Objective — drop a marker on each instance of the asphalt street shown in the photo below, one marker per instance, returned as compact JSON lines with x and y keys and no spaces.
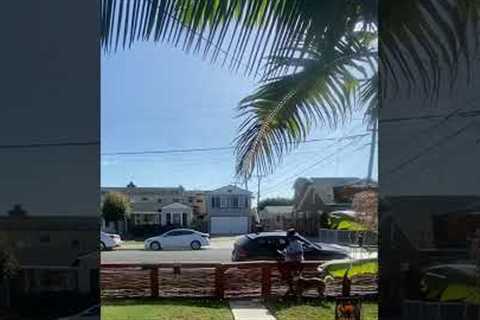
{"x":219,"y":251}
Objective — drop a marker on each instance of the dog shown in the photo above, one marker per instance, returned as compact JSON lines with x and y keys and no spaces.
{"x":303,"y":284}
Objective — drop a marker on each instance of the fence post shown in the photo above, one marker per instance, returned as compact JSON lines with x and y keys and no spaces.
{"x":266,"y":280}
{"x":154,"y":282}
{"x":219,"y":281}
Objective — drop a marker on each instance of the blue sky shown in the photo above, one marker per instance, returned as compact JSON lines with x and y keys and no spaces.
{"x":155,"y":97}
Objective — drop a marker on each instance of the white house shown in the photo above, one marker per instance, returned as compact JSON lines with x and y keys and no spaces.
{"x":229,"y":210}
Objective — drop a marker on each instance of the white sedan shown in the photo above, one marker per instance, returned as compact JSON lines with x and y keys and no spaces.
{"x":109,"y":241}
{"x":178,"y":239}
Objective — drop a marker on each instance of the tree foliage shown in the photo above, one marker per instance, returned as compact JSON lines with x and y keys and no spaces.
{"x":115,"y":207}
{"x":365,"y":203}
{"x":274,"y":202}
{"x":316,"y":60}
{"x":9,"y":265}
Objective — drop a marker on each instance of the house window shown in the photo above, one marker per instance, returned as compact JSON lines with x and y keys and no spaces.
{"x":235,"y":202}
{"x":45,"y":238}
{"x":241,"y":202}
{"x":169,"y":218}
{"x":144,"y":199}
{"x":176,"y":218}
{"x":190,"y":199}
{"x":75,"y":244}
{"x":223,"y":203}
{"x":176,"y":200}
{"x":215,"y":202}
{"x":199,"y":201}
{"x":246,"y":202}
{"x":184,"y":219}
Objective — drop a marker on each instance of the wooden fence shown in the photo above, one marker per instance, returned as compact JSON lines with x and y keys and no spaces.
{"x":221,"y":280}
{"x":423,"y":310}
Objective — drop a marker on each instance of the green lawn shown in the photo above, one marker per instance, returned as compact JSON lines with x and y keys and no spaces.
{"x":166,"y":309}
{"x":315,"y":310}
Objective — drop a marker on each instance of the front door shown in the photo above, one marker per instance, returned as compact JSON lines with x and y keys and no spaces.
{"x":176,"y":219}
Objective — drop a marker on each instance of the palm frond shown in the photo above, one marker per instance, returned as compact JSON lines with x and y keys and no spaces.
{"x":423,"y":43}
{"x":281,"y":113}
{"x":369,"y":99}
{"x":236,"y":33}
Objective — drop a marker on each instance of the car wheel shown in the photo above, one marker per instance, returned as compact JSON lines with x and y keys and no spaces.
{"x":195,"y":245}
{"x":155,"y":246}
{"x":102,"y":246}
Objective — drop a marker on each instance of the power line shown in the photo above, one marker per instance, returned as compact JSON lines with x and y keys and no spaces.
{"x":189,"y":150}
{"x":347,"y":134}
{"x":429,"y":148}
{"x":296,"y":175}
{"x":48,"y":145}
{"x":466,"y":114}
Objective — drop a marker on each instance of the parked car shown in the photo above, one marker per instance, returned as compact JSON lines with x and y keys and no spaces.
{"x":92,"y":313}
{"x":108,"y":241}
{"x":265,"y":246}
{"x":178,"y":239}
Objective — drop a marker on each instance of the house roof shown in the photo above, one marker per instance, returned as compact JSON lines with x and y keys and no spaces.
{"x":176,"y":205}
{"x":231,"y":189}
{"x":341,"y":181}
{"x":149,"y":207}
{"x":142,"y":190}
{"x":146,"y":207}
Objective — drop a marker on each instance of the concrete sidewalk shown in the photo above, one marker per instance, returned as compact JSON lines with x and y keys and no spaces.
{"x":250,"y":310}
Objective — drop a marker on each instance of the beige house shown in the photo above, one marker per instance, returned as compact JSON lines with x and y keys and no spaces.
{"x":56,"y":253}
{"x":276,"y":217}
{"x":158,"y":207}
{"x":316,"y":196}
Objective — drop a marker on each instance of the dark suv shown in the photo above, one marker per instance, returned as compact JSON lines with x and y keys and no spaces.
{"x":265,"y":246}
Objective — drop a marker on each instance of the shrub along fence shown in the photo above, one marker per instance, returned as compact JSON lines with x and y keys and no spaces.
{"x":221,"y":280}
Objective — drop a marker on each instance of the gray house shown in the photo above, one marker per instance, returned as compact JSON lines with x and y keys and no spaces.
{"x":229,"y":210}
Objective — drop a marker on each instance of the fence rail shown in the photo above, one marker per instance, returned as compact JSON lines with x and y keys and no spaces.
{"x":347,"y":237}
{"x":221,"y":280}
{"x":420,"y":310}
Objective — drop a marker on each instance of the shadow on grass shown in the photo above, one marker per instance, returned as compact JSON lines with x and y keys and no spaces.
{"x":279,"y":304}
{"x":285,"y":305}
{"x":179,"y":302}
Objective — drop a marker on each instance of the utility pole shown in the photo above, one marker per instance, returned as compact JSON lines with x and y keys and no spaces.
{"x":372,"y":151}
{"x":259,"y":178}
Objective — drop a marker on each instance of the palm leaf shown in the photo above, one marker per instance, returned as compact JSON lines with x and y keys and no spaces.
{"x":281,"y":113}
{"x":236,"y":33}
{"x":424,"y":43}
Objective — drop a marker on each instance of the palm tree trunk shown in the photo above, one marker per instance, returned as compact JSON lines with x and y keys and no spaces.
{"x":372,"y":152}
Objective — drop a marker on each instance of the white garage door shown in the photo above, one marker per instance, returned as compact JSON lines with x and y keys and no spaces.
{"x":229,"y":225}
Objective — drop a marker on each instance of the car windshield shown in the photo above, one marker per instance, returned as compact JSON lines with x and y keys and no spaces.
{"x":308,"y":243}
